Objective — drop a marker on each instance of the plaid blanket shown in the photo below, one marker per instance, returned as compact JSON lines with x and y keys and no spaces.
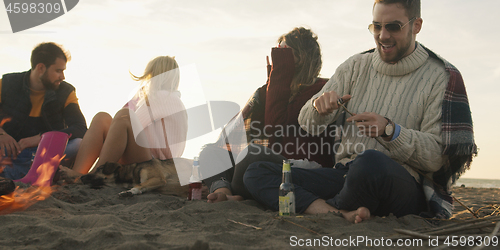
{"x":458,"y":143}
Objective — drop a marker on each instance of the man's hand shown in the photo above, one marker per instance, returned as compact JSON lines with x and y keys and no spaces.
{"x":9,"y":146}
{"x":29,"y":142}
{"x":370,"y":124}
{"x":327,"y":102}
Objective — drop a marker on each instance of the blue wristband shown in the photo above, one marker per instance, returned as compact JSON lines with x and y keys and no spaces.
{"x":397,"y":130}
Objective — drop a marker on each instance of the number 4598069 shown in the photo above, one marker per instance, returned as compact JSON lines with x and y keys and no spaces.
{"x":33,"y":8}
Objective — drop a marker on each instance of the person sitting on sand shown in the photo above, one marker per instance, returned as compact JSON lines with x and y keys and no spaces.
{"x":34,"y":102}
{"x":133,"y":136}
{"x":410,"y":129}
{"x":292,"y":80}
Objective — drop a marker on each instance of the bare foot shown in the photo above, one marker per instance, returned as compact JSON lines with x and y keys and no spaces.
{"x":319,"y":206}
{"x":220,"y":196}
{"x":359,"y":215}
{"x":216,"y":197}
{"x":69,"y":175}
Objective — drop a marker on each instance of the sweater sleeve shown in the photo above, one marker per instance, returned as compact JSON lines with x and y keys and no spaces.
{"x":278,"y":88}
{"x":422,"y":148}
{"x":309,"y":118}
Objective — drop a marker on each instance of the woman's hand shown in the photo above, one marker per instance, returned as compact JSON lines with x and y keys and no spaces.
{"x":282,"y":44}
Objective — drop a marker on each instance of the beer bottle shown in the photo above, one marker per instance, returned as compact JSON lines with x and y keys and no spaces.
{"x":286,"y":192}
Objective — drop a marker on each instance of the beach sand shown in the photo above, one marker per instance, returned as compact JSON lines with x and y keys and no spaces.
{"x":78,"y":217}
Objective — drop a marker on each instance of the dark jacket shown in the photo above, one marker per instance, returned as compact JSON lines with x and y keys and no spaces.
{"x":16,"y":105}
{"x":281,"y":114}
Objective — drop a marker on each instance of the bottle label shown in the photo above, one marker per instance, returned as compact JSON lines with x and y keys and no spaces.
{"x":287,"y":204}
{"x":286,"y":166}
{"x":194,"y":191}
{"x":196,"y":194}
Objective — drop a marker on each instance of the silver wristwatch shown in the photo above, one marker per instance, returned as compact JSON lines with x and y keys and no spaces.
{"x":389,"y":128}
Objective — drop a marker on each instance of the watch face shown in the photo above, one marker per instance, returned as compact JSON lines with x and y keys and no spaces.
{"x":389,"y":129}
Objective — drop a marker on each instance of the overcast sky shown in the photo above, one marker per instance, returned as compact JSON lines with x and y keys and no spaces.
{"x":223,"y":47}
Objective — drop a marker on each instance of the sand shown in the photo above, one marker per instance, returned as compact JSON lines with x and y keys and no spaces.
{"x":78,"y":217}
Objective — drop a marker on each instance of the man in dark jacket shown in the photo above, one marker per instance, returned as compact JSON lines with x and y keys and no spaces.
{"x":35,"y":102}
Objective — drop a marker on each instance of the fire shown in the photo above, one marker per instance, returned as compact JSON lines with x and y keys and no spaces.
{"x":46,"y":171}
{"x":22,"y":198}
{"x":5,"y":120}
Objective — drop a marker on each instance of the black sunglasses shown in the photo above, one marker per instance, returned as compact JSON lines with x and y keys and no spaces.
{"x":375,"y":28}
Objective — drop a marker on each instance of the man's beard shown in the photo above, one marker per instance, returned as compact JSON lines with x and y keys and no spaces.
{"x":47,"y":84}
{"x":401,"y":52}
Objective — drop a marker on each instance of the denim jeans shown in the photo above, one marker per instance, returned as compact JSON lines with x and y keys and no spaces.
{"x":22,"y":164}
{"x":262,"y":180}
{"x":234,"y":176}
{"x":372,"y":180}
{"x":382,"y":185}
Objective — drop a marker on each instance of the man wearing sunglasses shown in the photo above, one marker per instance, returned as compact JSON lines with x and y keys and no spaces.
{"x":400,"y":136}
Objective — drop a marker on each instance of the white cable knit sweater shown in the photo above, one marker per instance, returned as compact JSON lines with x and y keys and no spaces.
{"x":410,"y":93}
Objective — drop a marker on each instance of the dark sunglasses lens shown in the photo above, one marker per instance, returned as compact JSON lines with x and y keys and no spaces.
{"x":393,"y":27}
{"x":374,"y":28}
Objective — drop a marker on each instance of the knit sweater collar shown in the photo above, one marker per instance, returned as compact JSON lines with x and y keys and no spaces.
{"x":404,"y":66}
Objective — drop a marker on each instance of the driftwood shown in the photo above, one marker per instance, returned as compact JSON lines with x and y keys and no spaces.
{"x":246,"y":225}
{"x":293,"y":223}
{"x":459,"y":228}
{"x":464,"y":225}
{"x":495,"y":232}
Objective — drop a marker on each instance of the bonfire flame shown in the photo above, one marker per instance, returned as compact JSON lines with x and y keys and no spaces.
{"x":46,"y":171}
{"x":40,"y":190}
{"x":23,"y":198}
{"x":5,"y":120}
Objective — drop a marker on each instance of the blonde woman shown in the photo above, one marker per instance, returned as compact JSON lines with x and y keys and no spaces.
{"x":153,"y":124}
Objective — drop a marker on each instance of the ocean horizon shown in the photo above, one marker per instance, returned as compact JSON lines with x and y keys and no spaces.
{"x":478,"y":183}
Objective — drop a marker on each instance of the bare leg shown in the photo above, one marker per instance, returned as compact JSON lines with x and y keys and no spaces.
{"x":222,"y":194}
{"x":319,"y":206}
{"x":107,"y":140}
{"x":92,"y":142}
{"x":120,"y":145}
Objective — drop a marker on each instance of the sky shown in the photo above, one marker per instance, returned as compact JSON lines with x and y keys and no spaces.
{"x":222,"y":46}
